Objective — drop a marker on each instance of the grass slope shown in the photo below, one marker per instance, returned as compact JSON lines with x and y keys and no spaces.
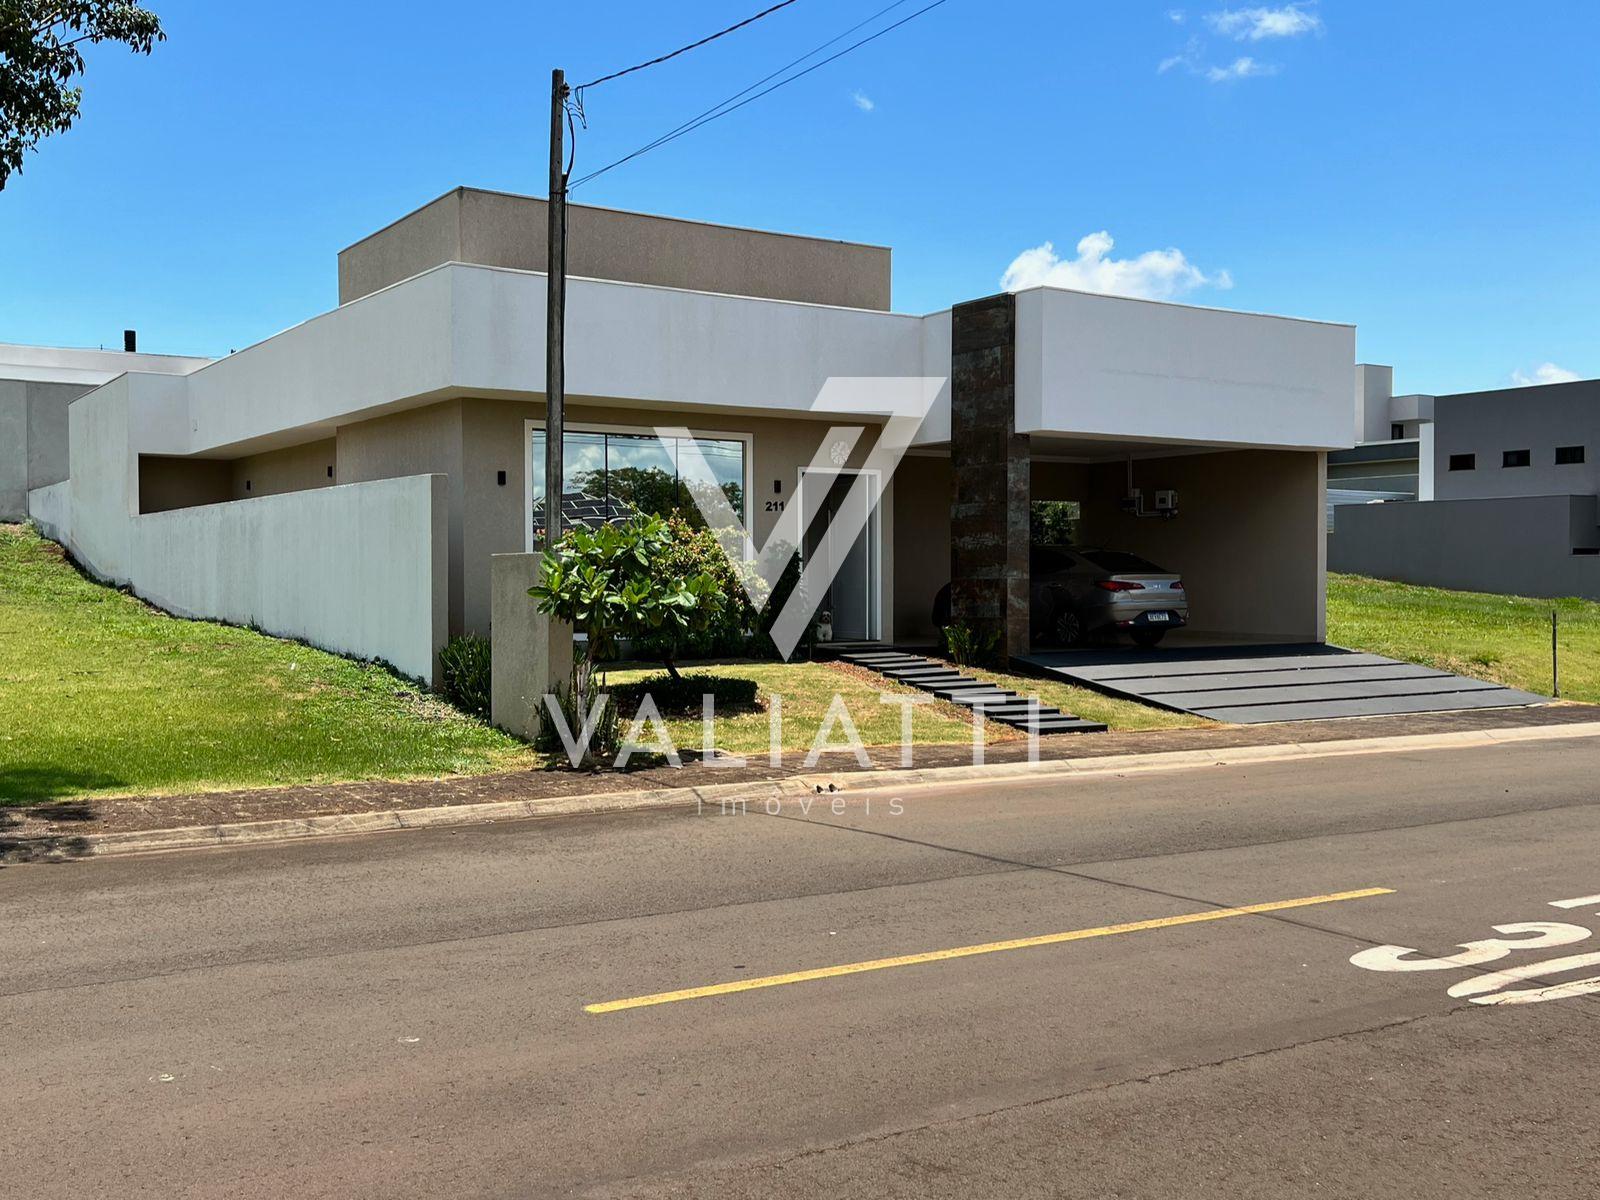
{"x":102,"y":695}
{"x":1503,"y":638}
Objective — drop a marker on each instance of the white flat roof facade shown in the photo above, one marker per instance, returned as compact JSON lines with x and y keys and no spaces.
{"x":1088,"y":366}
{"x":61,"y":364}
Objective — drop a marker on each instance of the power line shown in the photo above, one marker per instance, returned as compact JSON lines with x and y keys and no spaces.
{"x":685,"y":49}
{"x":692,"y":121}
{"x":728,"y":105}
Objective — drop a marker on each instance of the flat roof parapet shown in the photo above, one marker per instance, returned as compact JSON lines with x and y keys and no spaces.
{"x":497,"y":229}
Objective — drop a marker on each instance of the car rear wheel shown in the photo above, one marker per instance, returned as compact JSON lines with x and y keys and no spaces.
{"x":1147,"y":637}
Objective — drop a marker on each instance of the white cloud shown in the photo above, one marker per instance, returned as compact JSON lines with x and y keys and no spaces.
{"x":1177,"y":16}
{"x":1544,"y":373}
{"x":863,"y":101}
{"x":1192,"y":59}
{"x":1153,"y":275}
{"x":1239,"y":68}
{"x":1258,"y":24}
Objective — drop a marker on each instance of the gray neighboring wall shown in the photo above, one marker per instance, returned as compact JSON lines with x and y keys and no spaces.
{"x":1520,"y":545}
{"x":500,"y":230}
{"x":37,"y":383}
{"x":33,"y":439}
{"x":1536,"y":419}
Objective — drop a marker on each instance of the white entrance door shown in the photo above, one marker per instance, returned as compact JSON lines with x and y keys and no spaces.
{"x":832,"y":508}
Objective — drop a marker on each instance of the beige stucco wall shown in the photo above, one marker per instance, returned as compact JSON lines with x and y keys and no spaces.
{"x":1248,"y":538}
{"x":166,"y":483}
{"x":292,"y":469}
{"x":501,"y":230}
{"x":420,"y":441}
{"x":474,"y":439}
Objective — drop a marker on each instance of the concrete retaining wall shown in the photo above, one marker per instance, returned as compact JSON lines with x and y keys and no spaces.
{"x":360,"y":569}
{"x":1519,"y":545}
{"x":50,"y":508}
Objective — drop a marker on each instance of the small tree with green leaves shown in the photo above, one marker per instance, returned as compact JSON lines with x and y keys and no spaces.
{"x":625,"y":580}
{"x":41,"y":55}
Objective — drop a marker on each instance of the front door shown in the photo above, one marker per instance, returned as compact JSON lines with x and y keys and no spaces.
{"x":832,"y":508}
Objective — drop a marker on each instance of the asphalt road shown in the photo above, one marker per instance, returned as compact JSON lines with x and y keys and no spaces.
{"x":404,"y":1015}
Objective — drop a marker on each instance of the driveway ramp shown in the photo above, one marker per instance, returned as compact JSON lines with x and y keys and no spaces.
{"x":1248,"y":685}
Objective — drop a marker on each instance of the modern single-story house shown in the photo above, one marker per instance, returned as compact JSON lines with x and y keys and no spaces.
{"x":347,"y":480}
{"x":1494,"y":491}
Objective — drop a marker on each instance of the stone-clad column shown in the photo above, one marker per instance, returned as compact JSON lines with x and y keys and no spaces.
{"x":990,"y":462}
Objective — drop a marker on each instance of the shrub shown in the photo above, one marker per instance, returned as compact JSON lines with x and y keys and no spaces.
{"x":576,"y":699}
{"x":969,"y":647}
{"x":695,"y":551}
{"x":464,"y":678}
{"x":627,"y":579}
{"x":1054,"y":522}
{"x":682,"y":696}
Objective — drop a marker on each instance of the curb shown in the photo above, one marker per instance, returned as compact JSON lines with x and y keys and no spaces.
{"x":794,"y":786}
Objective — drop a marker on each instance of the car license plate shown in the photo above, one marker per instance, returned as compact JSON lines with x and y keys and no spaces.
{"x":1158,"y":616}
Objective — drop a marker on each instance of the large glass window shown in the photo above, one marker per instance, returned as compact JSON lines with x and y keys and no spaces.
{"x":611,"y":475}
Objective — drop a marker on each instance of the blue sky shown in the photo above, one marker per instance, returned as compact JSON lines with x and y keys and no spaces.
{"x":1426,"y":170}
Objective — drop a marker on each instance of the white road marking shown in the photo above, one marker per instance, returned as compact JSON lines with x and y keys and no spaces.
{"x":1476,"y":987}
{"x":1545,"y":933}
{"x":1494,"y":987}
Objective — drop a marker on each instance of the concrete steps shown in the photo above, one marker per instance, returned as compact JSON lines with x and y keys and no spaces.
{"x":947,"y":683}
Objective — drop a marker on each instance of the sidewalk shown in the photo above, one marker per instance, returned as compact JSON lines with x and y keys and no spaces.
{"x":66,"y":827}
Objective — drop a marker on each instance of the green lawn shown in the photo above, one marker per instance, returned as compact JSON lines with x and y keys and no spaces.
{"x":102,"y":695}
{"x":808,"y":689}
{"x":1504,"y":638}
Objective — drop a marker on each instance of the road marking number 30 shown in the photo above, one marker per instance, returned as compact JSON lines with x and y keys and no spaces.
{"x":1496,"y":987}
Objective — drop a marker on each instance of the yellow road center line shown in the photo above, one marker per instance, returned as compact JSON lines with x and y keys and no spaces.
{"x":911,"y":960}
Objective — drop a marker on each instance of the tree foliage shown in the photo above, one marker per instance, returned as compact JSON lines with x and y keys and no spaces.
{"x":626,"y":579}
{"x":41,"y":55}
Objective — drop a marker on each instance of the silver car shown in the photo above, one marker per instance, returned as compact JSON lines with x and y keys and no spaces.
{"x":1081,"y":591}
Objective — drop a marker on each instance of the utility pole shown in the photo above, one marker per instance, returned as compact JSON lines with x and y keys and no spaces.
{"x":555,"y":383}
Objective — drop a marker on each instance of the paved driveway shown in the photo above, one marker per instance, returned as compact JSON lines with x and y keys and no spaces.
{"x":1248,"y":685}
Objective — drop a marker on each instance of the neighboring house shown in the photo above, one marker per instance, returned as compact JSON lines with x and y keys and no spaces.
{"x":347,"y":480}
{"x":36,"y":385}
{"x":1488,"y":491}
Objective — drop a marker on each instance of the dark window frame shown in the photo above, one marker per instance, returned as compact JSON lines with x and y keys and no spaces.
{"x":1571,"y":456}
{"x":1397,"y":431}
{"x":1511,"y":460}
{"x":1463,"y":462}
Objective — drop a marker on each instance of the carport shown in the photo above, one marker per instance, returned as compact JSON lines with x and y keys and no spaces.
{"x":1245,"y":534}
{"x":1194,"y":438}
